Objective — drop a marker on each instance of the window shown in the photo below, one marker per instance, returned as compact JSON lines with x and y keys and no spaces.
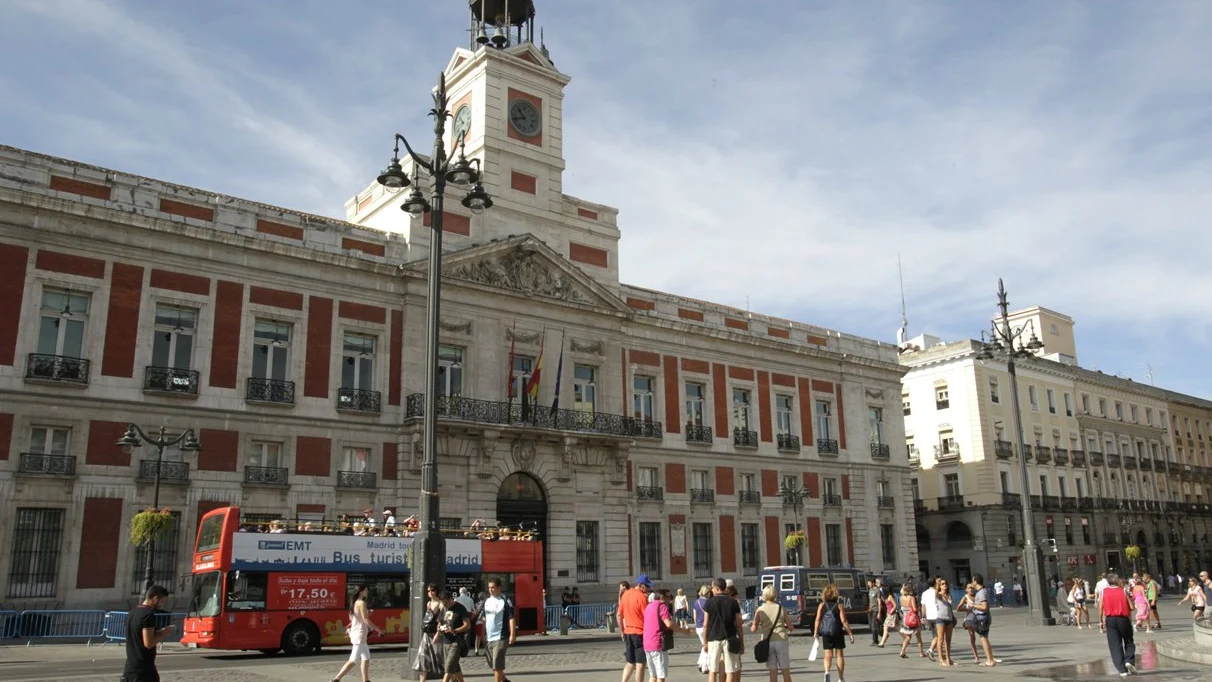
{"x":1004,"y":478}
{"x":942,"y":398}
{"x":450,"y":371}
{"x":883,"y":489}
{"x":830,"y":486}
{"x":584,"y":389}
{"x":951,"y":485}
{"x":703,"y":560}
{"x":647,"y":477}
{"x":784,"y":409}
{"x":164,"y":559}
{"x":1085,"y":404}
{"x":833,"y":544}
{"x":642,"y":397}
{"x":875,"y":422}
{"x":522,"y":366}
{"x":1119,"y":410}
{"x":1043,"y":485}
{"x":358,"y":362}
{"x":265,"y":454}
{"x":740,"y":409}
{"x":1133,"y":414}
{"x":695,"y":394}
{"x":356,"y":459}
{"x":792,"y":556}
{"x":995,"y":393}
{"x":824,"y":410}
{"x":247,"y":590}
{"x":915,"y":488}
{"x":749,"y":548}
{"x":888,"y":545}
{"x":946,"y":443}
{"x":1061,"y":487}
{"x":1051,"y":401}
{"x":650,"y":549}
{"x":905,"y":407}
{"x":1085,"y":531}
{"x":271,"y":350}
{"x":1050,"y":529}
{"x":49,"y":440}
{"x":37,"y":535}
{"x":1149,"y":416}
{"x":587,"y":551}
{"x":1068,"y":405}
{"x":1102,"y":407}
{"x":173,"y":344}
{"x":62,"y":321}
{"x":700,"y":479}
{"x":1011,"y":531}
{"x":1080,"y":485}
{"x":747,"y":481}
{"x":1033,"y":397}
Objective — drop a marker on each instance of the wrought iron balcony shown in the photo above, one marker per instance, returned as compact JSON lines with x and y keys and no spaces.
{"x":1043,"y":454}
{"x":951,"y":503}
{"x":357,"y":479}
{"x":1096,"y":458}
{"x":270,"y":391}
{"x":1003,"y":449}
{"x":881,"y":451}
{"x":1027,"y":453}
{"x":919,"y":506}
{"x":509,"y":413}
{"x":651,"y":493}
{"x":698,"y":433}
{"x":170,"y":472}
{"x":1061,"y":455}
{"x":942,"y":404}
{"x":1012,"y":500}
{"x":646,"y":428}
{"x":1086,"y":503}
{"x":788,"y":442}
{"x":57,"y":368}
{"x":1079,"y":458}
{"x":48,"y":465}
{"x":265,"y":475}
{"x":950,"y":454}
{"x":885,"y":502}
{"x":744,"y":439}
{"x":358,"y":400}
{"x":170,"y":380}
{"x":1159,"y":464}
{"x":795,"y":500}
{"x":826,"y":446}
{"x":1146,"y":464}
{"x":749,"y":497}
{"x":1129,"y":462}
{"x":1068,"y":503}
{"x":831,"y":500}
{"x":702,"y":496}
{"x":1113,"y":461}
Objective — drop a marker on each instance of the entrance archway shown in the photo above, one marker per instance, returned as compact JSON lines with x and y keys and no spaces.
{"x":522,"y":503}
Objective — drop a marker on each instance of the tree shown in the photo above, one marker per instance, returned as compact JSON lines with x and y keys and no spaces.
{"x":1133,"y":553}
{"x":149,"y":525}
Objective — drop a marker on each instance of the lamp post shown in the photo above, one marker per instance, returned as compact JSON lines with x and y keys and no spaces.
{"x":428,"y":545}
{"x":794,"y":495}
{"x":136,"y":437}
{"x":1004,"y":339}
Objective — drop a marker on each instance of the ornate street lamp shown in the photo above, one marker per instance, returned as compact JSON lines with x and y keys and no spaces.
{"x":428,"y":546}
{"x":136,"y":437}
{"x":1005,"y":341}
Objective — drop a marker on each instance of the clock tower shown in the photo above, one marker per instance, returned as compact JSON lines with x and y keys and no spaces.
{"x":506,"y":103}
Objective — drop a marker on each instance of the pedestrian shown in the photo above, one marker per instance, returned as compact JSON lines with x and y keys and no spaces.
{"x":430,"y":650}
{"x":829,"y":626}
{"x":1140,"y":603}
{"x":998,"y":588}
{"x":1099,"y":587}
{"x":875,"y":611}
{"x":1077,"y":594}
{"x":965,"y":607}
{"x":774,"y":624}
{"x":891,"y":618}
{"x":681,"y":607}
{"x":911,"y":624}
{"x":1198,"y":602}
{"x":699,"y":620}
{"x":1152,"y":592}
{"x":565,"y":599}
{"x":929,"y":602}
{"x":724,"y":638}
{"x":455,"y":624}
{"x":142,"y":637}
{"x":631,"y":620}
{"x":1113,"y":618}
{"x":944,"y":621}
{"x":982,"y":618}
{"x":359,"y":629}
{"x":500,"y":628}
{"x":469,"y":605}
{"x":1018,"y":593}
{"x":659,"y":627}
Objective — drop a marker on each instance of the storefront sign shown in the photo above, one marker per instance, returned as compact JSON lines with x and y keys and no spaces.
{"x":306,"y":591}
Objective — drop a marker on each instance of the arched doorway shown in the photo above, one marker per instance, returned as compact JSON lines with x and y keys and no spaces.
{"x":522,"y":503}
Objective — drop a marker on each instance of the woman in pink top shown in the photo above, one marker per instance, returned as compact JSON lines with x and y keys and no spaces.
{"x":658,"y":620}
{"x":1141,"y":600}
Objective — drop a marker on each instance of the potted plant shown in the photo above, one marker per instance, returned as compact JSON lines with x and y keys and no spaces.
{"x":794,"y":540}
{"x":1133,"y":553}
{"x":150,"y":524}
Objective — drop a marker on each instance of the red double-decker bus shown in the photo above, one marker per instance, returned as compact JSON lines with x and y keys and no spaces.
{"x":286,"y":590}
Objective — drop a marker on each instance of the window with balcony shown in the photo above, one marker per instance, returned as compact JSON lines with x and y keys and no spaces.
{"x":942,"y":398}
{"x":875,"y":424}
{"x":648,"y":483}
{"x":650,"y":549}
{"x":951,"y":485}
{"x":1149,"y":416}
{"x":271,"y":350}
{"x":59,"y":352}
{"x":888,"y":545}
{"x":520,"y":372}
{"x":824,"y":420}
{"x":695,"y":396}
{"x":172,"y":351}
{"x":792,"y":556}
{"x":749,"y":548}
{"x":704,"y":561}
{"x":1102,"y":407}
{"x":784,"y":413}
{"x":450,"y":371}
{"x":831,"y":496}
{"x":584,"y":388}
{"x":906,"y":408}
{"x":1085,"y":404}
{"x":1119,"y":410}
{"x":748,"y":482}
{"x":1051,"y":395}
{"x":1085,"y":531}
{"x":265,"y":464}
{"x":740,"y":409}
{"x":833,"y":544}
{"x":995,"y":391}
{"x":1132,"y":414}
{"x":1043,"y":485}
{"x":356,"y":470}
{"x":1003,"y":477}
{"x":1033,"y":397}
{"x":1068,"y":405}
{"x":701,"y":489}
{"x":37,"y":540}
{"x":588,"y":558}
{"x":946,"y":445}
{"x":643,"y":397}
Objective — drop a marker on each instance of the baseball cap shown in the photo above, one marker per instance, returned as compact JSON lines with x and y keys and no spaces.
{"x":642,"y":579}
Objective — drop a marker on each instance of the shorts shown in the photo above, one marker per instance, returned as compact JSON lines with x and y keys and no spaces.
{"x":360,"y":651}
{"x":944,"y":622}
{"x":780,"y":655}
{"x":658,"y":664}
{"x":717,"y":652}
{"x":1079,"y":602}
{"x":836,"y":642}
{"x":633,"y":649}
{"x":981,"y":628}
{"x":451,"y":658}
{"x":495,"y":652}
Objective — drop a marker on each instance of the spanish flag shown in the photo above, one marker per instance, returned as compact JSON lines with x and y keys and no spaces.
{"x":532,"y":384}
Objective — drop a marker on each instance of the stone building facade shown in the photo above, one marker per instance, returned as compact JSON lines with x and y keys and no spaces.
{"x":294,"y":345}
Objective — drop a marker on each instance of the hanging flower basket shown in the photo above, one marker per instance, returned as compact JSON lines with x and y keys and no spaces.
{"x":150,"y":524}
{"x":794,"y":540}
{"x":1132,"y":552}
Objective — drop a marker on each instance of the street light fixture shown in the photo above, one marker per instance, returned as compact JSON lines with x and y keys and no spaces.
{"x":428,"y":546}
{"x":793,"y":496}
{"x":1006,"y":340}
{"x":135,"y":437}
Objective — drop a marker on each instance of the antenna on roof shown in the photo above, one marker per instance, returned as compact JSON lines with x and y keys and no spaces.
{"x":901,"y":333}
{"x":1149,"y":373}
{"x":748,"y":313}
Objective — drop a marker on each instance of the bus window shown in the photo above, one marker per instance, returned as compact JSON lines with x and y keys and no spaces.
{"x":246,"y":591}
{"x":818,"y":581}
{"x":383,"y":591}
{"x":205,"y":601}
{"x":787,"y":582}
{"x":210,"y":534}
{"x":844,"y":581}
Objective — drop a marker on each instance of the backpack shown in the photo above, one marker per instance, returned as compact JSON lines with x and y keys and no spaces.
{"x":831,"y":625}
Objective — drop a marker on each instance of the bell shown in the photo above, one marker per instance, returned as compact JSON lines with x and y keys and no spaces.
{"x":482,"y":38}
{"x":499,"y":39}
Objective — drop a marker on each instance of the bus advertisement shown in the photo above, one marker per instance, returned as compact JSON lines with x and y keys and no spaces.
{"x":272,"y":591}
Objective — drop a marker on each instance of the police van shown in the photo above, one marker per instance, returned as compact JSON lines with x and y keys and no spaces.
{"x":799,"y":591}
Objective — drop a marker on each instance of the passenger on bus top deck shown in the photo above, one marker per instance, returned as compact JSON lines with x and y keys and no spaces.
{"x":389,"y":519}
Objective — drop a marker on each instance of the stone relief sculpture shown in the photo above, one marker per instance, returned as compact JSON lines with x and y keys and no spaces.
{"x":521,"y":336}
{"x":593,"y":347}
{"x":875,"y":393}
{"x":523,"y":454}
{"x":521,"y":269}
{"x":463,"y":327}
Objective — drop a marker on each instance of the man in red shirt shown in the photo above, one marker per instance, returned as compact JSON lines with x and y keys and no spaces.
{"x":1114,"y":618}
{"x":631,"y":619}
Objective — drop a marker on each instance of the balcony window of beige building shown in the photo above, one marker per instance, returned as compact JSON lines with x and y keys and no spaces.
{"x":1051,"y":395}
{"x":1003,"y":477}
{"x":1132,"y":413}
{"x":584,"y":388}
{"x":271,"y":350}
{"x":173,"y":343}
{"x":450,"y":370}
{"x":265,"y":454}
{"x":358,"y":363}
{"x":1102,"y":407}
{"x":995,"y":392}
{"x":522,"y":367}
{"x":1085,"y":404}
{"x":784,"y":409}
{"x":63,"y":322}
{"x":1119,"y":410}
{"x":695,"y":394}
{"x":740,"y":409}
{"x":875,"y":423}
{"x":942,"y":398}
{"x":1149,"y":416}
{"x":356,"y":459}
{"x":1033,"y":397}
{"x":1068,"y":405}
{"x":951,"y":486}
{"x":946,"y":444}
{"x":49,"y":440}
{"x":824,"y":420}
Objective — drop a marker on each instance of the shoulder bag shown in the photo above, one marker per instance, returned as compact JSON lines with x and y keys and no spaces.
{"x":761,"y":649}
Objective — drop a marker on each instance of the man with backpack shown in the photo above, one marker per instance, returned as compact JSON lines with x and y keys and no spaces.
{"x":831,"y":627}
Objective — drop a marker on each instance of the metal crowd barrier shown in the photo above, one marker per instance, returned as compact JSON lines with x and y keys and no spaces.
{"x":10,"y":624}
{"x":115,"y":625}
{"x":87,"y":625}
{"x":580,"y":617}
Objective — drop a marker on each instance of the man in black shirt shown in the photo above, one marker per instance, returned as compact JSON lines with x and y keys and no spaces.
{"x":456,"y":622}
{"x":142,"y":637}
{"x":722,"y":626}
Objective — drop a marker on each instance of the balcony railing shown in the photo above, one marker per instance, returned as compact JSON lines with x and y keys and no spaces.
{"x":788,"y":442}
{"x":881,"y":451}
{"x":270,"y":391}
{"x":826,"y":446}
{"x":1061,"y":455}
{"x":1012,"y":500}
{"x":885,"y":502}
{"x":1113,"y":461}
{"x":1129,"y":462}
{"x":357,"y":479}
{"x":646,"y":428}
{"x":919,"y":506}
{"x":1086,"y":503}
{"x":831,"y":500}
{"x":952,"y":453}
{"x":170,"y":380}
{"x":1146,"y":464}
{"x":1027,"y":453}
{"x":358,"y":400}
{"x":1159,"y":464}
{"x":57,"y":368}
{"x":1003,"y":449}
{"x":48,"y":465}
{"x":170,"y":472}
{"x":1079,"y":458}
{"x":493,"y":412}
{"x":1043,"y":453}
{"x":749,"y":497}
{"x":951,"y":503}
{"x":744,"y":439}
{"x":698,"y":433}
{"x":265,"y":475}
{"x":942,"y":404}
{"x":652,"y":493}
{"x":702,"y":496}
{"x":1096,"y":458}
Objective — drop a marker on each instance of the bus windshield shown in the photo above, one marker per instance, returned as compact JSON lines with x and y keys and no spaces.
{"x":210,"y":534}
{"x":205,"y":600}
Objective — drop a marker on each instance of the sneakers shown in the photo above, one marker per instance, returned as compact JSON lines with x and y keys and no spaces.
{"x":1123,"y":674}
{"x":1131,"y":668}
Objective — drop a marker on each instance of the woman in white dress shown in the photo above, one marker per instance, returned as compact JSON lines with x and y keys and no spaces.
{"x":359,"y":630}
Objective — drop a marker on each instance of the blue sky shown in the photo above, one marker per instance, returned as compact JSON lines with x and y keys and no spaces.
{"x":786,"y":150}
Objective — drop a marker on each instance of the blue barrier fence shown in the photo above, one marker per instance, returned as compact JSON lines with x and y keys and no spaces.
{"x":10,"y":622}
{"x":103,"y":626}
{"x":580,"y":617}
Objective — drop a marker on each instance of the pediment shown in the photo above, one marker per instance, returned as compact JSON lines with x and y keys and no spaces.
{"x":525,"y":265}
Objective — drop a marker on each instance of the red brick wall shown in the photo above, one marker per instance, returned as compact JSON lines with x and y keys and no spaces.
{"x":303,"y":508}
{"x":362,"y":312}
{"x":6,"y":435}
{"x":313,"y":456}
{"x":763,"y":387}
{"x":640,"y":304}
{"x":725,"y":485}
{"x":690,"y":315}
{"x":719,"y":387}
{"x":70,"y":265}
{"x":779,"y":333}
{"x":849,"y":541}
{"x":770,"y":483}
{"x":203,"y":213}
{"x":814,"y":541}
{"x":643,"y":357}
{"x":673,"y":394}
{"x":317,"y":366}
{"x":812,"y":481}
{"x":97,"y":564}
{"x":102,"y":450}
{"x":733,"y":323}
{"x":677,"y":564}
{"x":220,"y":450}
{"x":727,"y":544}
{"x":695,"y":366}
{"x":122,"y":323}
{"x":845,"y":486}
{"x":806,"y":412}
{"x":369,"y":248}
{"x":277,"y":298}
{"x":589,"y":255}
{"x":586,"y":213}
{"x":774,"y":542}
{"x":782,"y":380}
{"x":841,"y":419}
{"x":13,"y":263}
{"x":176,"y":281}
{"x":822,"y":386}
{"x":81,"y":187}
{"x":225,"y":344}
{"x":390,"y":461}
{"x":675,"y":477}
{"x":740,"y":373}
{"x":522,"y":182}
{"x":452,"y":223}
{"x":394,"y":363}
{"x":280,"y":230}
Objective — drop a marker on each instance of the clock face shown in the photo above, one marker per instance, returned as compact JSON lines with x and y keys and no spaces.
{"x":462,"y":124}
{"x":525,"y":117}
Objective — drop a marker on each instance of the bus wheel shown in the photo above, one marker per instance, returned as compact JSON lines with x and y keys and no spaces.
{"x":301,"y":637}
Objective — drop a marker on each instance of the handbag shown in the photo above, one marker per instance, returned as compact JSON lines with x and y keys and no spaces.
{"x":666,"y":636}
{"x":761,"y":649}
{"x":734,"y":644}
{"x":912,"y":621}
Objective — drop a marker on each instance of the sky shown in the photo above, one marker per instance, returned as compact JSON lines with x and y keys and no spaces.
{"x":787,"y":152}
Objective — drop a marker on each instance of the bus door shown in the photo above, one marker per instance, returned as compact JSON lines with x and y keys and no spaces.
{"x":528,"y":602}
